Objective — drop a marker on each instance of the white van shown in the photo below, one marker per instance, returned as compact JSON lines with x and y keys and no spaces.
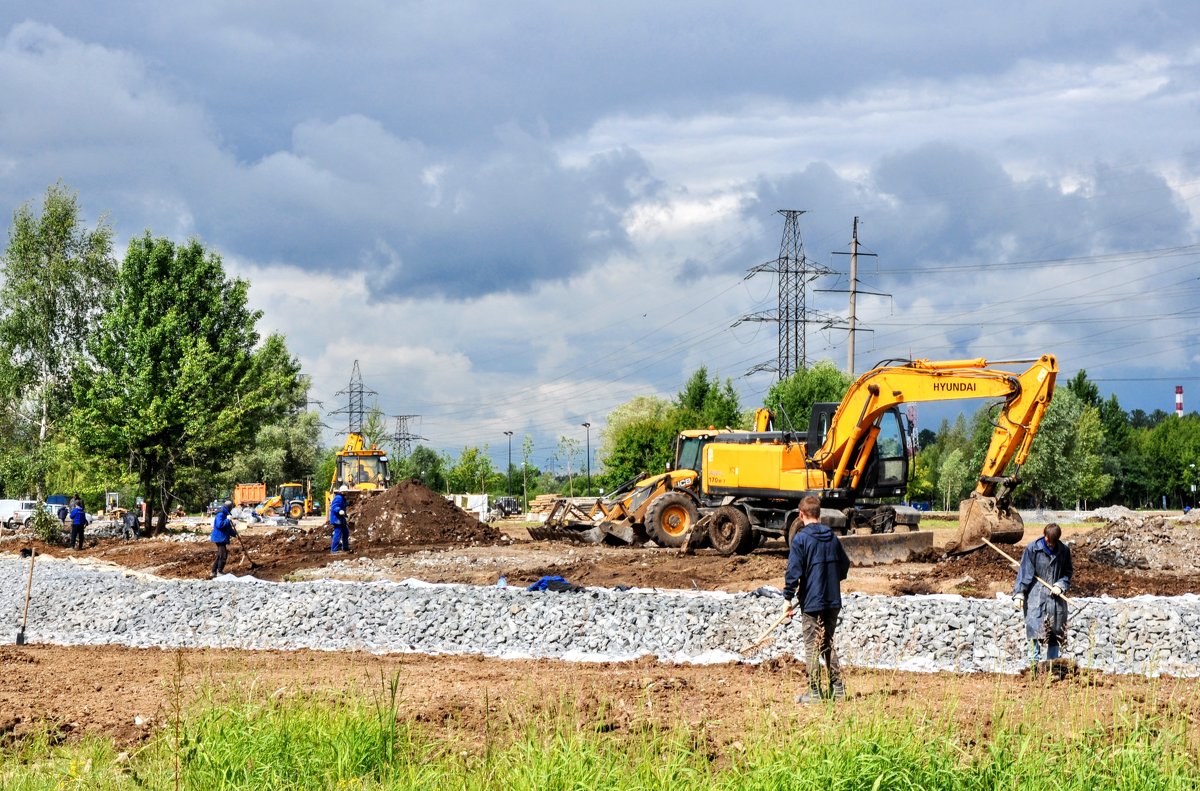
{"x":14,"y":513}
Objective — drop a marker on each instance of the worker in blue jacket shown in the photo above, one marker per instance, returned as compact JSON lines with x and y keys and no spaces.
{"x":341,"y":526}
{"x":817,"y":564}
{"x":79,"y":519}
{"x":223,"y":531}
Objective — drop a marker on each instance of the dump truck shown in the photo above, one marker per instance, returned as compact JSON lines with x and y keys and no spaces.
{"x":249,"y":494}
{"x":736,"y":489}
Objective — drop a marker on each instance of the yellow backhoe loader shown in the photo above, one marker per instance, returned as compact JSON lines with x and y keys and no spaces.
{"x":293,"y":500}
{"x":360,"y":470}
{"x":736,"y":489}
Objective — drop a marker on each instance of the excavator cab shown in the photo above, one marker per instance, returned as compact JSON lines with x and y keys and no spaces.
{"x":886,"y":474}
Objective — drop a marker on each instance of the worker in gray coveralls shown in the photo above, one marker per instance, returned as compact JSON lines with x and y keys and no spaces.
{"x":1045,"y":609}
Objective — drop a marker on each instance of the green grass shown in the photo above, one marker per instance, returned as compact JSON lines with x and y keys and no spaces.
{"x":258,"y":741}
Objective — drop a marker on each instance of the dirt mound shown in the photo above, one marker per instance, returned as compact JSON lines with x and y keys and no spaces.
{"x":410,"y":514}
{"x":1149,"y":544}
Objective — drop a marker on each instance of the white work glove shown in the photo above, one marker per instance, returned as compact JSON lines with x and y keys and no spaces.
{"x":791,"y":609}
{"x":1056,"y":590}
{"x":1019,"y":603}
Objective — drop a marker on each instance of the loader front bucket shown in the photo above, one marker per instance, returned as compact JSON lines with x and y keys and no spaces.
{"x":882,"y":548}
{"x":584,"y":534}
{"x":981,"y":517}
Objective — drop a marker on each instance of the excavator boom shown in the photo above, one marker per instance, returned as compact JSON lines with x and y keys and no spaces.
{"x":987,"y":514}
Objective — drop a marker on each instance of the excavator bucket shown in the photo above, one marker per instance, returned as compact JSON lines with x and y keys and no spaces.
{"x":981,"y":517}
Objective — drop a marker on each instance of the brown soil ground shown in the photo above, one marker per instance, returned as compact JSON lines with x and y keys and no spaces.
{"x":454,"y":547}
{"x":126,"y":694}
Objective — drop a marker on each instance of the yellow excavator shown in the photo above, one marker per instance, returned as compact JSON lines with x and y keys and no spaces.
{"x":737,"y":488}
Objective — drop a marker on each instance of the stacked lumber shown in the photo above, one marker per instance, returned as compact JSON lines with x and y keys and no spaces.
{"x":542,"y":503}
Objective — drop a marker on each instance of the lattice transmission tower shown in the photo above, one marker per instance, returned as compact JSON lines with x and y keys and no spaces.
{"x":402,"y":438}
{"x":794,"y":272}
{"x":355,"y":394}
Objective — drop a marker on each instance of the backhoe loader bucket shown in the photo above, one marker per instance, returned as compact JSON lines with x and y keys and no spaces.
{"x":981,"y":517}
{"x":566,"y":521}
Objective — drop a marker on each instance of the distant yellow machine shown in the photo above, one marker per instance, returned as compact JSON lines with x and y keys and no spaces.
{"x":293,"y":500}
{"x":359,"y":469}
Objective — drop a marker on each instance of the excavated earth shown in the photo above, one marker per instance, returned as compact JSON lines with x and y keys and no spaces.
{"x":411,"y":532}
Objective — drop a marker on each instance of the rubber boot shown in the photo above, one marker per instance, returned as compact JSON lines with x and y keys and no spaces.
{"x":812,"y":696}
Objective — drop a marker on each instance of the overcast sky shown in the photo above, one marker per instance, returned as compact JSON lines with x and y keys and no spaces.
{"x":518,"y":216}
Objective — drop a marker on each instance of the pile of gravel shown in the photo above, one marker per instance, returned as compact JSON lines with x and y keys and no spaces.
{"x":1112,"y":512}
{"x":88,"y":603}
{"x":1150,"y":543}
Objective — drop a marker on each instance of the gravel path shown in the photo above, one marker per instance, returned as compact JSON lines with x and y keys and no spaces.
{"x":89,"y":603}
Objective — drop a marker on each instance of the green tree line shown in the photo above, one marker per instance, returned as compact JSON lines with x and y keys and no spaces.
{"x":144,"y":375}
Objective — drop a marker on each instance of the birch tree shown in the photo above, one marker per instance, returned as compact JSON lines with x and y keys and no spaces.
{"x":56,"y":273}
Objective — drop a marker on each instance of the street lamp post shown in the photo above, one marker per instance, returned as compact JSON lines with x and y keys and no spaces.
{"x":587,"y":427}
{"x":508,"y":472}
{"x":1192,"y":467}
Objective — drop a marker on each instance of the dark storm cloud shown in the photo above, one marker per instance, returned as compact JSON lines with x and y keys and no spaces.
{"x":347,"y":195}
{"x":350,"y":197}
{"x":451,"y":72}
{"x":941,"y":203}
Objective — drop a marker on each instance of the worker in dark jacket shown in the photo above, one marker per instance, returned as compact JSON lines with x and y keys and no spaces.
{"x":129,"y":524}
{"x":223,"y":531}
{"x":341,"y":526}
{"x":817,"y":564}
{"x":1044,"y":608}
{"x":78,"y":520}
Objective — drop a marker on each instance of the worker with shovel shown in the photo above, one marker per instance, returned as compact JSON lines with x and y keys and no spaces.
{"x":1045,"y":608}
{"x":223,"y":530}
{"x":817,"y":564}
{"x":341,"y":526}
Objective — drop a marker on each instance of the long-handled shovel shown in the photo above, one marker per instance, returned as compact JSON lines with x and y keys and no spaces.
{"x":245,"y":557}
{"x":28,"y":593}
{"x":762,"y":638}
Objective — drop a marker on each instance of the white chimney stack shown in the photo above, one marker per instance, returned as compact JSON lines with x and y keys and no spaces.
{"x":1178,"y":400}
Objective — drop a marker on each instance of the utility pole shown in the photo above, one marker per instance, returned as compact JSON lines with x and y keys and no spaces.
{"x":854,"y":291}
{"x":587,"y":427}
{"x":402,"y":438}
{"x":853,"y":296}
{"x":354,"y":393}
{"x":509,"y":470}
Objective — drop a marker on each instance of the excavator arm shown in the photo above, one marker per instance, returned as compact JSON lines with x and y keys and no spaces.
{"x":846,"y":449}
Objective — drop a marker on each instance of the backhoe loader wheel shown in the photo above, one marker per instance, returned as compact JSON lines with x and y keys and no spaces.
{"x":295,"y":510}
{"x":795,"y":527}
{"x":730,"y":532}
{"x":670,"y":517}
